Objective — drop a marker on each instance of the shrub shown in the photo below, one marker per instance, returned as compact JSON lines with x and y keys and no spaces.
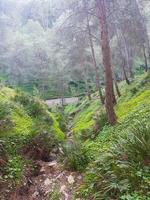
{"x":134,"y":90}
{"x":100,"y":121}
{"x":76,"y":157}
{"x":33,"y":106}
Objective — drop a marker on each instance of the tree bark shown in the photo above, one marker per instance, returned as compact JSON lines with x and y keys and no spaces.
{"x":116,"y":85}
{"x":98,"y":87}
{"x":107,"y":63}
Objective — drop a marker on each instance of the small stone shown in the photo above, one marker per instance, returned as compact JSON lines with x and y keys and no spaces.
{"x":79,"y":177}
{"x":35,"y":194}
{"x":47,"y":182}
{"x":42,"y":170}
{"x":51,"y":164}
{"x":71,"y":180}
{"x":62,"y":189}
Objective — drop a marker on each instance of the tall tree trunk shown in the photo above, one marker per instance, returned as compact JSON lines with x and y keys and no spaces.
{"x":116,"y":85}
{"x":106,"y":62}
{"x":98,"y":87}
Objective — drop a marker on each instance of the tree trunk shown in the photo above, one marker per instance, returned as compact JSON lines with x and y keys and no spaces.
{"x":107,"y":63}
{"x":145,"y":59}
{"x":125,"y":75}
{"x":127,"y":55}
{"x":117,"y":88}
{"x":98,"y":87}
{"x":116,"y":85}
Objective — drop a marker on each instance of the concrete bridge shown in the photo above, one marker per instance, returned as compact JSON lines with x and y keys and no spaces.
{"x":59,"y":102}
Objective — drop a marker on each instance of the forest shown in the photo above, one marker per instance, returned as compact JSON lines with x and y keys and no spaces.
{"x":75,"y":99}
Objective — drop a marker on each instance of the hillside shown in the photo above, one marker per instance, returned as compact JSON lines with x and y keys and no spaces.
{"x":119,"y":165}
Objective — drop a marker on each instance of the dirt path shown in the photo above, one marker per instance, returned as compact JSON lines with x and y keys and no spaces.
{"x":52,"y":183}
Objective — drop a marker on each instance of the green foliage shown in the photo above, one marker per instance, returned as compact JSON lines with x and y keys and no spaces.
{"x":5,"y":116}
{"x":76,"y":157}
{"x":55,"y":195}
{"x":14,"y":168}
{"x":5,"y":110}
{"x":84,"y":120}
{"x":120,"y":154}
{"x":56,"y":128}
{"x":33,"y":106}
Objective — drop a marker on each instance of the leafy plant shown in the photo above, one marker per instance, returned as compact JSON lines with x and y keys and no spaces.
{"x":76,"y":157}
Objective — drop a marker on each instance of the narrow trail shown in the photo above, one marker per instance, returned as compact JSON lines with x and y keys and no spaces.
{"x":52,"y":180}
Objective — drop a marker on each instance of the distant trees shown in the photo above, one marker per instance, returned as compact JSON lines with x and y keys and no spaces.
{"x":61,"y":38}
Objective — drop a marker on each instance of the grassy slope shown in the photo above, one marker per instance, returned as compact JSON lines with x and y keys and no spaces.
{"x":23,"y":122}
{"x":133,"y":96}
{"x":22,"y":118}
{"x":132,"y":109}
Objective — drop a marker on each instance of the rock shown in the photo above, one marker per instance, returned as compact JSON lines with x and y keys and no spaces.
{"x":35,"y":194}
{"x":51,"y":164}
{"x":61,"y":150}
{"x":71,"y":180}
{"x":42,"y":171}
{"x":55,"y":150}
{"x":53,"y":156}
{"x":47,"y":182}
{"x":62,"y":189}
{"x":79,"y":177}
